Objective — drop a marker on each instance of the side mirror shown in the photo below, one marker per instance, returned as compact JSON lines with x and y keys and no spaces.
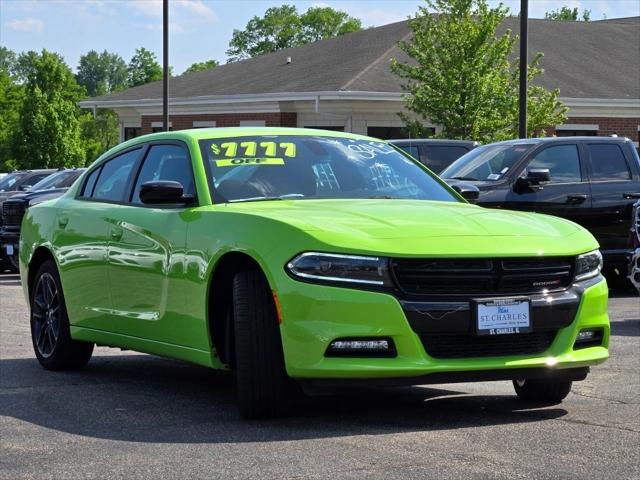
{"x":163,"y":192}
{"x":24,"y":188}
{"x":536,"y":176}
{"x":470,"y":193}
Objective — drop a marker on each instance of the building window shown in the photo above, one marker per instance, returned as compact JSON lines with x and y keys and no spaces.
{"x":576,"y":133}
{"x":204,"y":123}
{"x":131,"y":132}
{"x":577,"y":130}
{"x":253,"y":123}
{"x":157,"y":127}
{"x":336,"y":128}
{"x":387,"y":133}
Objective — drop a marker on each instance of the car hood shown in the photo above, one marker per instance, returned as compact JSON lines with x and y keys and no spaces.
{"x":422,"y":227}
{"x":30,"y":196}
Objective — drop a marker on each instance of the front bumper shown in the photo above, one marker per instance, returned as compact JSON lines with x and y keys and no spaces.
{"x":314,"y":315}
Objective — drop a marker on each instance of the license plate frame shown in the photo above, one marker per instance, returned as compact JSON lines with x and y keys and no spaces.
{"x":515,"y":312}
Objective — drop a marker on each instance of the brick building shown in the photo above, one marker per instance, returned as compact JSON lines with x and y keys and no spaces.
{"x":345,"y":83}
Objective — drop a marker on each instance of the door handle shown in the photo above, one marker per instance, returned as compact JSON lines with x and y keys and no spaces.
{"x":116,"y":233}
{"x":631,"y":195}
{"x":63,"y":221}
{"x":576,"y":199}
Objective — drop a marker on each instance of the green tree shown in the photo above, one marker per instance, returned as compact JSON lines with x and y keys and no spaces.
{"x":283,"y":27}
{"x":566,"y":14}
{"x":201,"y":66}
{"x":460,"y":75}
{"x":99,"y":133}
{"x":11,"y":98}
{"x":102,"y":73}
{"x":143,"y":68}
{"x":48,"y":133}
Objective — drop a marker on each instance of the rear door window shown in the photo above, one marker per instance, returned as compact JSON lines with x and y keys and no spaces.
{"x":439,"y":157}
{"x":114,"y":177}
{"x":562,"y":161}
{"x":607,"y":163}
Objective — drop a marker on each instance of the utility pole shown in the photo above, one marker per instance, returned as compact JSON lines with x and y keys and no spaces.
{"x":524,"y":16}
{"x":165,"y":65}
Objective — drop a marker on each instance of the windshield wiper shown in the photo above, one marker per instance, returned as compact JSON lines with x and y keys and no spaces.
{"x":388,"y":197}
{"x":267,"y":198}
{"x":464,"y":178}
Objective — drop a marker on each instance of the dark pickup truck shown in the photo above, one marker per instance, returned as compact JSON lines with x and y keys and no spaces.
{"x":593,"y":181}
{"x":13,"y":209}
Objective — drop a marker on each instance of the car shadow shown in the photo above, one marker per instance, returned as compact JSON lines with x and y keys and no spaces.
{"x":626,"y":328}
{"x":10,"y":279}
{"x":141,"y":398}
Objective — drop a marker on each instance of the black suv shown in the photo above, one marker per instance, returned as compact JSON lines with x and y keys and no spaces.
{"x":13,"y":209}
{"x":435,"y":153}
{"x":593,"y":181}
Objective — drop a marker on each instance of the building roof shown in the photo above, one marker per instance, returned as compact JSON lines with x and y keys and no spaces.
{"x":584,"y":59}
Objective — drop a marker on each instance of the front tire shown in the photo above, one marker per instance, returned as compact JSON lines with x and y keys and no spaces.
{"x":50,"y":332}
{"x":542,"y":391}
{"x":264,"y":389}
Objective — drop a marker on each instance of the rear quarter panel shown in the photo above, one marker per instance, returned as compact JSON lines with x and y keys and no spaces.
{"x":36,"y":231}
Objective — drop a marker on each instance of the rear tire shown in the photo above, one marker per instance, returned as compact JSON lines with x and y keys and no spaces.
{"x":264,"y":389}
{"x":542,"y":391}
{"x":50,"y":332}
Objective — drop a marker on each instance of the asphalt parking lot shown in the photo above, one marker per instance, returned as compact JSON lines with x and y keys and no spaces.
{"x":130,"y":415}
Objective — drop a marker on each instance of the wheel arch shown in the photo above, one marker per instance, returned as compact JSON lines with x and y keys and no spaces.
{"x":40,"y":255}
{"x":220,"y":300}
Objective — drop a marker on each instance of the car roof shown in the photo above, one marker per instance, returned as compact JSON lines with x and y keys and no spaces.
{"x":426,"y":141}
{"x":196,"y":134}
{"x":534,"y":141}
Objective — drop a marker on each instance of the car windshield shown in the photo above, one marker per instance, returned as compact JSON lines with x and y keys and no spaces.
{"x":57,"y":180}
{"x":490,"y":162}
{"x":279,"y":167}
{"x":9,"y":181}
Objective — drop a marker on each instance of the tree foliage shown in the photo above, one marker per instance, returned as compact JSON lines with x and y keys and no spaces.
{"x":143,"y":68}
{"x":48,"y":132}
{"x":461,"y":77}
{"x":102,"y":73}
{"x":11,"y":98}
{"x":283,"y":27}
{"x":201,"y":66}
{"x":567,"y":14}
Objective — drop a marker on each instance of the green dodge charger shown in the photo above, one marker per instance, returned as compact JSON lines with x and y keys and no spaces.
{"x":303,"y":259}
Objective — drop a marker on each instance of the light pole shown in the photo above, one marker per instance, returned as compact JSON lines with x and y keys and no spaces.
{"x":165,"y":65}
{"x":524,"y":14}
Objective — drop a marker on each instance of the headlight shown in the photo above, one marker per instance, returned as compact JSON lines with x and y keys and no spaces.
{"x":342,"y":269}
{"x":588,"y":265}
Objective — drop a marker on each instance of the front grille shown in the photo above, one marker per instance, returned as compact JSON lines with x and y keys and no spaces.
{"x":12,"y":213}
{"x":480,"y":277}
{"x":471,"y":346}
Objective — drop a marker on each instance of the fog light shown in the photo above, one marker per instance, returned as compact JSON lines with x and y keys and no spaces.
{"x":361,"y":347}
{"x":588,"y":338}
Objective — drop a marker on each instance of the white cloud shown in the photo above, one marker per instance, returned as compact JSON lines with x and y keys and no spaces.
{"x":197,"y":7}
{"x":147,"y":7}
{"x":26,"y":25}
{"x":154,"y":8}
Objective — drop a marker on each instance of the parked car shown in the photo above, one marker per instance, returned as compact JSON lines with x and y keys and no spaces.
{"x":21,"y":180}
{"x":11,"y":184}
{"x":309,"y":258}
{"x":592,"y":181}
{"x":435,"y":153}
{"x":634,"y":243}
{"x":13,"y":209}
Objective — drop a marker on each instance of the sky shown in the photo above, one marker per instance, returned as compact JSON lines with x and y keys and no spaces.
{"x":200,"y":29}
